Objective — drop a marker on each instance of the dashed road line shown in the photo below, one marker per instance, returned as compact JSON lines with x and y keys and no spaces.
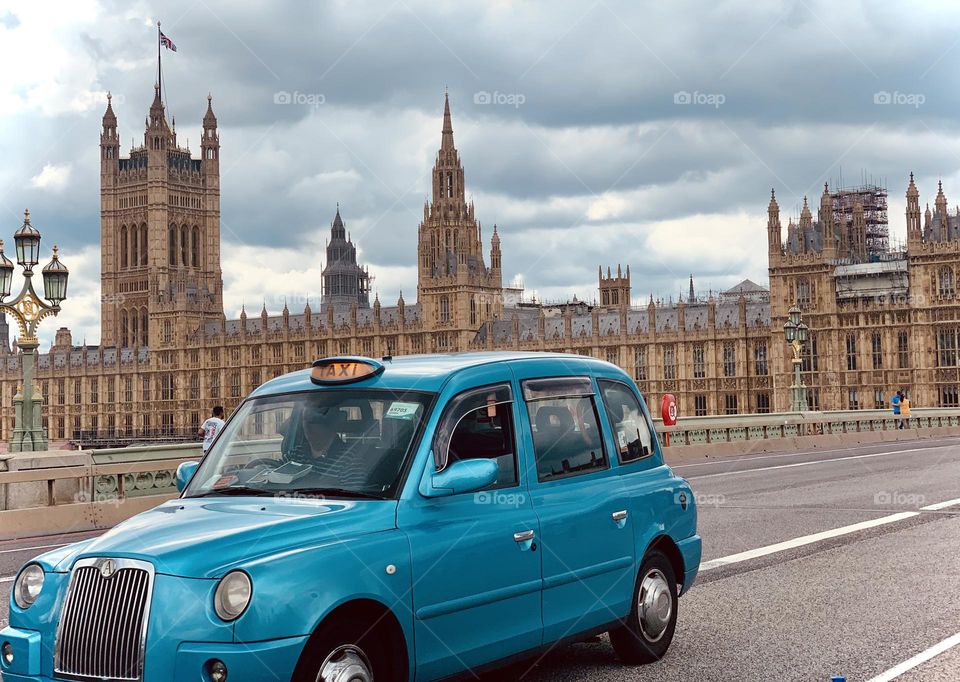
{"x":804,"y":464}
{"x":935,"y":445}
{"x":920,"y":658}
{"x":26,"y":549}
{"x":820,"y":537}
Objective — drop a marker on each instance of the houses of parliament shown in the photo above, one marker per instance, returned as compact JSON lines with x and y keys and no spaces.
{"x":880,"y":319}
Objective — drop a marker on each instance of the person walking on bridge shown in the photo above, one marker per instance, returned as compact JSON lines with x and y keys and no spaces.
{"x":895,"y":402}
{"x":211,"y":427}
{"x":904,"y":410}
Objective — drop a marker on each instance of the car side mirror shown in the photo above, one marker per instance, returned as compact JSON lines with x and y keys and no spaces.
{"x":463,"y":476}
{"x":185,"y":472}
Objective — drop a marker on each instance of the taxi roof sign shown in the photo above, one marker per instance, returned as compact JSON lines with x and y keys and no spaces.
{"x":332,"y":371}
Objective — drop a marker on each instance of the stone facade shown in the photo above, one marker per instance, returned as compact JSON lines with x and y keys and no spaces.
{"x":879,"y":319}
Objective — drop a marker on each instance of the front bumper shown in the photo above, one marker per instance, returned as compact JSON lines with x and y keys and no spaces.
{"x":691,"y":550}
{"x":253,"y":662}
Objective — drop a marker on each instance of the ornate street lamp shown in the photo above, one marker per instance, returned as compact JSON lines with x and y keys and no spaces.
{"x":27,"y":310}
{"x":796,"y":333}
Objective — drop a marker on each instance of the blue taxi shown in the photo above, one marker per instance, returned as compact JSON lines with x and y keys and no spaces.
{"x":414,"y":518}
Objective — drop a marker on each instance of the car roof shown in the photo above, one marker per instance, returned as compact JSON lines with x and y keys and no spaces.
{"x":414,"y":372}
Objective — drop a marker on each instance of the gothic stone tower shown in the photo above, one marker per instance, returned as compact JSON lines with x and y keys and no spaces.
{"x":345,"y":283}
{"x":456,"y":290}
{"x":159,"y":233}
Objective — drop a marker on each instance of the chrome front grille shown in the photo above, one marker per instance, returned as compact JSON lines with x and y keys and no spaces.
{"x":103,"y":626}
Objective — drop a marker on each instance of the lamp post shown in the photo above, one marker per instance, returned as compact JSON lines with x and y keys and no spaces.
{"x":796,"y":333}
{"x":28,"y":309}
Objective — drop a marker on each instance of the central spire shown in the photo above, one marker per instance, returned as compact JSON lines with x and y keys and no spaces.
{"x":446,"y":142}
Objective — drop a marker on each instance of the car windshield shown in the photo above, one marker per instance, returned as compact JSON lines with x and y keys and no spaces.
{"x":347,"y":443}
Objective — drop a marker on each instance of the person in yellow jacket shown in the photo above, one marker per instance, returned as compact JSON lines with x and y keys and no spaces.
{"x":905,"y":410}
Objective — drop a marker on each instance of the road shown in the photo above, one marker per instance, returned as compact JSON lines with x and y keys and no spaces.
{"x":843,"y":562}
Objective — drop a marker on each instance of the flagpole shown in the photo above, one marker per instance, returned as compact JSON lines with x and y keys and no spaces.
{"x":159,"y":68}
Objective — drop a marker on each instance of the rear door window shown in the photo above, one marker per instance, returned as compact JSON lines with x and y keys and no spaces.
{"x":630,"y":430}
{"x":566,"y":429}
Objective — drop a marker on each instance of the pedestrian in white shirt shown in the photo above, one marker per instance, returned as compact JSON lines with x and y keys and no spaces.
{"x":211,"y":428}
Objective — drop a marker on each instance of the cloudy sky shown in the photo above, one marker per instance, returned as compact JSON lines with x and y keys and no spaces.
{"x":592,"y":133}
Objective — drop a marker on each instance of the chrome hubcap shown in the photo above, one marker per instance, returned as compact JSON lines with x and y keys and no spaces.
{"x":346,"y":663}
{"x":655,"y":603}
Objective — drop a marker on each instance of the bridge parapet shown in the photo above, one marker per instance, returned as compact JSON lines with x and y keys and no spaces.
{"x":745,"y":434}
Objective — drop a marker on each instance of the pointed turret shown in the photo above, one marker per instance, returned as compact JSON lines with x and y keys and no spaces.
{"x":446,"y":140}
{"x":109,"y":140}
{"x":941,"y":213}
{"x":806,"y":226}
{"x":914,"y":231}
{"x":109,"y":118}
{"x":210,"y":142}
{"x":774,"y":236}
{"x":691,"y":298}
{"x":828,"y":239}
{"x":495,"y":255}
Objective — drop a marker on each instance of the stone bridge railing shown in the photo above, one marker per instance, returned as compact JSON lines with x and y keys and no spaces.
{"x":738,"y":434}
{"x":78,"y":490}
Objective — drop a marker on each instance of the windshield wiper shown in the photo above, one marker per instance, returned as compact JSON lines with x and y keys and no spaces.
{"x":237,"y":490}
{"x":337,"y":492}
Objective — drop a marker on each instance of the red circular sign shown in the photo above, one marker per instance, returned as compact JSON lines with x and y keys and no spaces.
{"x":668,"y":410}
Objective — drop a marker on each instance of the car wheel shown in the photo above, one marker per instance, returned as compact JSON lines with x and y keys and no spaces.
{"x":346,"y":650}
{"x":648,"y":631}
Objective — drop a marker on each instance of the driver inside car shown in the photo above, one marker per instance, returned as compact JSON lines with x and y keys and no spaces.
{"x":325,"y":450}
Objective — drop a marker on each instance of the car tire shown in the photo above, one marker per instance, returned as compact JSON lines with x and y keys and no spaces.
{"x":347,"y":649}
{"x":648,"y":630}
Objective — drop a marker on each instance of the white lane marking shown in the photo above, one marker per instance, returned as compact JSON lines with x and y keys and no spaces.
{"x":7,"y":579}
{"x":803,"y":464}
{"x":941,"y":505}
{"x":804,"y":540}
{"x":25,"y":549}
{"x":922,"y":657}
{"x":801,"y":453}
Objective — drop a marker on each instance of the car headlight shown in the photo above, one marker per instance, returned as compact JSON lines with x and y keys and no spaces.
{"x":232,"y":595}
{"x":27,"y":587}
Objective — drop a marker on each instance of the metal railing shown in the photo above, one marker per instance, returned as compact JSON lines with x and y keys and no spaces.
{"x":754,"y":427}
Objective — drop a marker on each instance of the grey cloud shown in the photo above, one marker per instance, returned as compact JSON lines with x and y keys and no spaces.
{"x":599,"y":118}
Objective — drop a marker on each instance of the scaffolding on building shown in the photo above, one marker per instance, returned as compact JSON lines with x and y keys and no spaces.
{"x":869,"y":240}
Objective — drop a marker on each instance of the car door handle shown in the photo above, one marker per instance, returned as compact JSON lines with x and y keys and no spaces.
{"x":619,"y":515}
{"x":523,"y":536}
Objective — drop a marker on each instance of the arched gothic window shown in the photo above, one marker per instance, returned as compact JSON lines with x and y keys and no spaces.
{"x":172,"y":245}
{"x":195,"y":251}
{"x":185,"y":246}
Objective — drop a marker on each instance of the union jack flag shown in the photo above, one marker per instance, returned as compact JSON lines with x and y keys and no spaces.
{"x":167,"y":43}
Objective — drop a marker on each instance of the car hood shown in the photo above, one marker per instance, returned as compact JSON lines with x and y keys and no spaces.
{"x":204,"y":538}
